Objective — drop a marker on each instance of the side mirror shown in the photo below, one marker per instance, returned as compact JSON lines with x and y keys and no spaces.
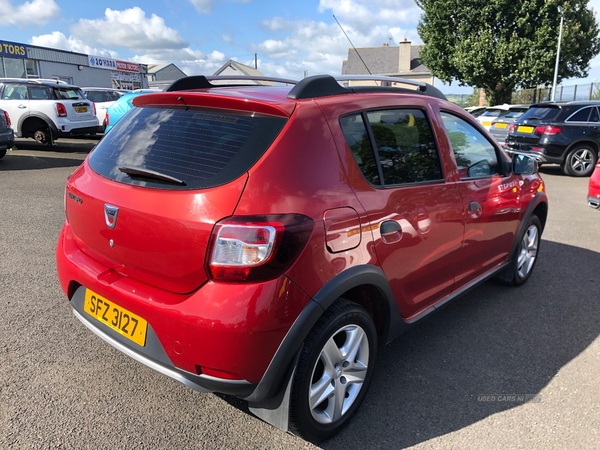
{"x":523,"y":164}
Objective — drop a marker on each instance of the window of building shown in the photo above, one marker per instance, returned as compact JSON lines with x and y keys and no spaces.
{"x":32,"y":68}
{"x":14,"y":68}
{"x":475,"y":155}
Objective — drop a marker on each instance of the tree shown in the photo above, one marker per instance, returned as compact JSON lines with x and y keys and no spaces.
{"x":500,"y":45}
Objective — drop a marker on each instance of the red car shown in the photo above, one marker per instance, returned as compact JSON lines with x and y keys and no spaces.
{"x":594,"y":189}
{"x":263,"y":241}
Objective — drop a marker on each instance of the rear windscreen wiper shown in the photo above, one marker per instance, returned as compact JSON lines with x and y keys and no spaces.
{"x":150,"y":174}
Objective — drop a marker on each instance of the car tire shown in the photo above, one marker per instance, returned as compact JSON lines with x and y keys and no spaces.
{"x":334,"y":371}
{"x":522,"y":264}
{"x":580,"y":161}
{"x":42,"y":135}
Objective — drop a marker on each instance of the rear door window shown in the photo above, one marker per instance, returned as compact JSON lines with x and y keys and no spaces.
{"x":400,"y":148}
{"x":200,"y":148}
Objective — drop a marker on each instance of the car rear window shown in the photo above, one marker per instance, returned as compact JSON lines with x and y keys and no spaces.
{"x":199,"y":147}
{"x":541,"y":113}
{"x":69,"y":94}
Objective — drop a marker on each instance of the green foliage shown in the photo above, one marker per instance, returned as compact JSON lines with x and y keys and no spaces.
{"x":500,"y":45}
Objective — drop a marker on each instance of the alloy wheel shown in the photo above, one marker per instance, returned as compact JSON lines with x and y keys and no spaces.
{"x":528,"y":251}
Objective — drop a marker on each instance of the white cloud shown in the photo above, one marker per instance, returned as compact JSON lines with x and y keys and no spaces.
{"x":202,"y":6}
{"x":363,"y":15}
{"x":129,"y":29}
{"x":58,"y":40}
{"x":37,"y":12}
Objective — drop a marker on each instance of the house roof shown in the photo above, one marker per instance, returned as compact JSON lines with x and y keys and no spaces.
{"x":382,"y":60}
{"x":153,"y":68}
{"x":243,"y":68}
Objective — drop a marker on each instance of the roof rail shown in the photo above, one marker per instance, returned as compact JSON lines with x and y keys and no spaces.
{"x":36,"y":80}
{"x":204,"y":82}
{"x":326,"y":85}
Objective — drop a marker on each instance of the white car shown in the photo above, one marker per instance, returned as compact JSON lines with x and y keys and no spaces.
{"x":493,"y":113}
{"x":103,"y":98}
{"x":46,"y":110}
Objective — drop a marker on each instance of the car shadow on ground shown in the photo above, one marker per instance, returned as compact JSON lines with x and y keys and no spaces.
{"x":496,"y":340}
{"x":29,"y":155}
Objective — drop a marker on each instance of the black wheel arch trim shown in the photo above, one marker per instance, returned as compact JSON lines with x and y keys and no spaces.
{"x":581,"y":142}
{"x":540,"y":198}
{"x":40,"y":116}
{"x":278,"y":371}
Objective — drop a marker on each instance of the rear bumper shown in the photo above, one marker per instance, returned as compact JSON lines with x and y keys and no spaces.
{"x":77,"y":131}
{"x":539,"y":157}
{"x":234,"y":330}
{"x":7,"y":139}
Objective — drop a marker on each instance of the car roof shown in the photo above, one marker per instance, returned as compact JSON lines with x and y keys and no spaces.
{"x":38,"y":81}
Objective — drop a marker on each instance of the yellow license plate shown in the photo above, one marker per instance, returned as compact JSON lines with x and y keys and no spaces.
{"x":486,"y":124}
{"x":500,"y":125}
{"x":523,"y":129}
{"x":124,"y":322}
{"x":81,"y":109}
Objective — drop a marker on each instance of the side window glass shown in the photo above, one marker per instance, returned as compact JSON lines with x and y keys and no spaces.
{"x":405,"y":146}
{"x":39,"y":93}
{"x":475,"y":155}
{"x":580,"y":116}
{"x":594,"y":117}
{"x":358,"y":140}
{"x":14,"y":92}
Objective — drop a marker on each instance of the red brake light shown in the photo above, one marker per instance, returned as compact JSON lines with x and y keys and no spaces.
{"x":8,"y":122}
{"x":94,"y":108}
{"x":61,"y":110}
{"x":548,"y":129}
{"x":106,"y":120}
{"x":256,"y":248}
{"x":512,"y":128}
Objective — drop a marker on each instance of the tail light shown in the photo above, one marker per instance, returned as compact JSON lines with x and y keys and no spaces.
{"x":257,"y":248}
{"x":106,"y":120}
{"x":94,"y":108}
{"x":548,"y":130}
{"x":61,"y":110}
{"x":512,"y":128}
{"x":8,"y":122}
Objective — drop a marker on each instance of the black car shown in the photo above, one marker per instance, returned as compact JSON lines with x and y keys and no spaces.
{"x":7,"y":137}
{"x":565,"y":133}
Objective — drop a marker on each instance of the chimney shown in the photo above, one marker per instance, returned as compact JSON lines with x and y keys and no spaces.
{"x":404,"y":56}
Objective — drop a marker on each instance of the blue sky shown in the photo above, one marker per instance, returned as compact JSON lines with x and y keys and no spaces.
{"x":199,"y":36}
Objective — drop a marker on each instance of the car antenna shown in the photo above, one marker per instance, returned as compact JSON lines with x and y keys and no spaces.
{"x":183,"y":101}
{"x":355,"y":49}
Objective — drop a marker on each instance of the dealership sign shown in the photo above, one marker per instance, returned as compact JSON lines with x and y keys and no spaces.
{"x":12,"y":50}
{"x":125,"y":66}
{"x":102,"y":63}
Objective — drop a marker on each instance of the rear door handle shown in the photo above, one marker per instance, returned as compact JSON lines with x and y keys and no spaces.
{"x":22,"y":106}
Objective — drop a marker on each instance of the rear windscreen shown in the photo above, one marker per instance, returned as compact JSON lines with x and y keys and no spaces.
{"x":540,"y":113}
{"x":179,"y":148}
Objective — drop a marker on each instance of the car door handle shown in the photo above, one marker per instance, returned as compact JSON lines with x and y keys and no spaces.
{"x":474,"y":210}
{"x":391,"y":231}
{"x":22,"y":106}
{"x":474,"y":206}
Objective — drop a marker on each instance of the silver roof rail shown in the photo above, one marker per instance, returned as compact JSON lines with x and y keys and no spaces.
{"x":418,"y":84}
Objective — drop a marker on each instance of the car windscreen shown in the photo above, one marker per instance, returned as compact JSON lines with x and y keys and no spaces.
{"x":540,"y":113}
{"x":183,"y":148}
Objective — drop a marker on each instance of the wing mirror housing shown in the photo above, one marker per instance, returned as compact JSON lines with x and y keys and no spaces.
{"x":524,"y":164}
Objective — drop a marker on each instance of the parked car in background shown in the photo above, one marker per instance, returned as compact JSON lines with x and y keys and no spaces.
{"x":120,"y":106}
{"x":103,"y":98}
{"x":493,"y":113}
{"x":500,"y":126}
{"x":7,"y":138}
{"x":263,"y":241}
{"x":46,"y":110}
{"x":594,"y":189}
{"x":565,"y":133}
{"x":475,"y":111}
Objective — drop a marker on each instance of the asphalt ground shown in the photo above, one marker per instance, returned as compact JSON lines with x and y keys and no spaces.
{"x":499,"y":368}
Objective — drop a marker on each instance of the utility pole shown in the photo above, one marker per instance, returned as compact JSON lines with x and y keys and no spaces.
{"x":562,"y":16}
{"x":256,"y":61}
